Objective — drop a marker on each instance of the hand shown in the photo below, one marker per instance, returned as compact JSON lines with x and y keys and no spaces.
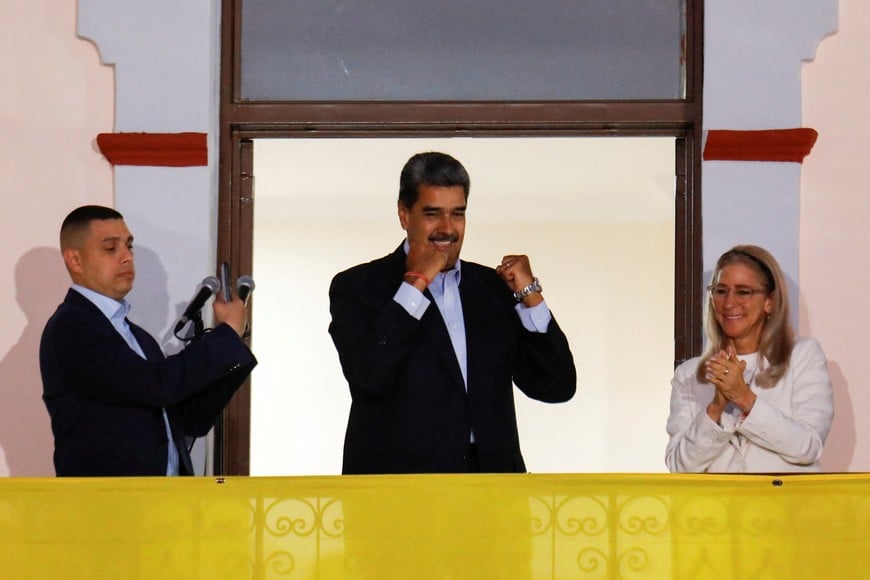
{"x":725,"y":371}
{"x":233,"y":313}
{"x":516,"y":271}
{"x":717,"y":406}
{"x":425,"y":259}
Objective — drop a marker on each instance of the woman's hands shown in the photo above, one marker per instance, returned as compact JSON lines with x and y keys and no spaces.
{"x":725,"y":372}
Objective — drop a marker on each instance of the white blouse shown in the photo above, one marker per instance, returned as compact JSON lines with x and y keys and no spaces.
{"x":785,"y":432}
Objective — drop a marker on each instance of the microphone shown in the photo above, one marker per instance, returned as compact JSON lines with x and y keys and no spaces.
{"x":244,"y":286}
{"x":206,"y":289}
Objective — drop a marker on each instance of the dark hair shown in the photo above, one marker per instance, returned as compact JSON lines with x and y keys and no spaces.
{"x":78,"y":222}
{"x":777,"y":336}
{"x":430,"y":168}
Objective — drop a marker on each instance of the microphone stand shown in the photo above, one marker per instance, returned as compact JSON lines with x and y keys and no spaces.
{"x":198,"y":327}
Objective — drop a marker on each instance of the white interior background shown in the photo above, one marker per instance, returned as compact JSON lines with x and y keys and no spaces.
{"x":595,"y":216}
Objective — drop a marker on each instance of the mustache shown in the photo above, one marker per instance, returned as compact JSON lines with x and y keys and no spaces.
{"x":437,"y":238}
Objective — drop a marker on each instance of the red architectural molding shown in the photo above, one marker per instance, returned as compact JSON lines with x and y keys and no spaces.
{"x":155,"y":149}
{"x":770,"y":145}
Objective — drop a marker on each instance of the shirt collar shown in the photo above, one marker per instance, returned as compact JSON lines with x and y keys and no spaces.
{"x":110,"y":307}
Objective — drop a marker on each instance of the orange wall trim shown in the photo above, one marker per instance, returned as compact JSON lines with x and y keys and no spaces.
{"x":155,"y":149}
{"x":769,"y":145}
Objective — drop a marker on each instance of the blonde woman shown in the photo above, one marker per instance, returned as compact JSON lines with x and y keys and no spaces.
{"x":758,"y":400}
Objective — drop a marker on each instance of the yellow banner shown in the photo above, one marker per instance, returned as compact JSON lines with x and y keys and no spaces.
{"x":437,"y":526}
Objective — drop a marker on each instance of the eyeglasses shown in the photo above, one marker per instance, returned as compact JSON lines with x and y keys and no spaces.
{"x":742,"y":294}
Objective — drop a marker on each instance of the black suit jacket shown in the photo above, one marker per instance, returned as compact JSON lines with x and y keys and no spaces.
{"x":105,"y":401}
{"x":410,"y":412}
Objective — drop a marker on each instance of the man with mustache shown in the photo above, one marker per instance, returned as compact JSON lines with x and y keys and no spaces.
{"x":117,"y":405}
{"x":430,"y":345}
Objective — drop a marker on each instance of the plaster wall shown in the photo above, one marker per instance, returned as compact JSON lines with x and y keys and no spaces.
{"x":55,"y":98}
{"x":835,"y":205}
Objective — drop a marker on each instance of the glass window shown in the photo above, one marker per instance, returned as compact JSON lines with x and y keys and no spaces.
{"x":456,"y":50}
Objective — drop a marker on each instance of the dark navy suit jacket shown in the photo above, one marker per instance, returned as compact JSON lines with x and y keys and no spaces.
{"x":105,"y":401}
{"x":410,"y":412}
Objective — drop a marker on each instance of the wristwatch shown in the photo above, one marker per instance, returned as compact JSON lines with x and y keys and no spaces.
{"x":535,"y":286}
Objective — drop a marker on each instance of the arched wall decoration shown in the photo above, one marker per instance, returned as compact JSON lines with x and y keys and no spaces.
{"x":788,"y":145}
{"x":154,"y":149}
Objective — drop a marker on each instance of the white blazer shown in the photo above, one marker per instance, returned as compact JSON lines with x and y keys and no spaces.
{"x":785,"y":432}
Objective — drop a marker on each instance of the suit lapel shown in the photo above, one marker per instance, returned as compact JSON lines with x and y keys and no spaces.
{"x":482,"y":305}
{"x":470,"y":293}
{"x":153,"y":353}
{"x":146,"y":343}
{"x":433,"y":324}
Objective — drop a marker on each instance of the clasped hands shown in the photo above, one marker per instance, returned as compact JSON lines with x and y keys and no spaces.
{"x":725,"y":371}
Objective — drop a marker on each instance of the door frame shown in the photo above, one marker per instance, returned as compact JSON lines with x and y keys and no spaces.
{"x":241,"y":121}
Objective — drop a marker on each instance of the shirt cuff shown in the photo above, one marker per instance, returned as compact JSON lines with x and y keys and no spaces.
{"x":534,"y":319}
{"x":411,"y":299}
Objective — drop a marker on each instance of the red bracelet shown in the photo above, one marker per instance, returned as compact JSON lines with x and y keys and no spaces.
{"x":412,"y":274}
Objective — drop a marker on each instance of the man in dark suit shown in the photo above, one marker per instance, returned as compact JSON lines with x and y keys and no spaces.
{"x":117,"y":405}
{"x":430,"y":345}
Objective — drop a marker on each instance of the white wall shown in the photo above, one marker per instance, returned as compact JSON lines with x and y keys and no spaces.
{"x":166,"y":57}
{"x":753,"y":54}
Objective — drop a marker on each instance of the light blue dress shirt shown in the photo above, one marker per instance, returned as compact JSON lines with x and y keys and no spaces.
{"x":117,"y":312}
{"x":445,"y":290}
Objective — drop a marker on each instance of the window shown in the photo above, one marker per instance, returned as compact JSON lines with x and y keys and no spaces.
{"x":455,"y":115}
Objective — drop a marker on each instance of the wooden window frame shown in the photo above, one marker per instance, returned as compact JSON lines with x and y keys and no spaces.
{"x":241,"y":121}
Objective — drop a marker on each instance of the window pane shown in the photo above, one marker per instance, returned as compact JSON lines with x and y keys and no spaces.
{"x":457,"y":50}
